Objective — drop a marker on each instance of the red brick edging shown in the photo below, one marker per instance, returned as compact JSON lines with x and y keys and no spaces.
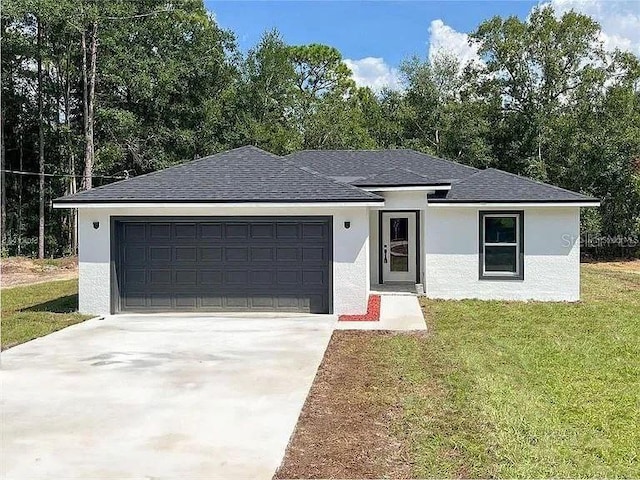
{"x":372,"y":315}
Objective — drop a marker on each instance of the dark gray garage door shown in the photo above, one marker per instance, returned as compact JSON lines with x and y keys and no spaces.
{"x":222,"y":264}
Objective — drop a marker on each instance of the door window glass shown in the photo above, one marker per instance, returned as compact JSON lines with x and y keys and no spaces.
{"x":399,"y":244}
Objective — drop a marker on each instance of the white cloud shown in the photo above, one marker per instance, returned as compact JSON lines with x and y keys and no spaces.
{"x":373,"y":72}
{"x":444,"y":39}
{"x":620,"y":20}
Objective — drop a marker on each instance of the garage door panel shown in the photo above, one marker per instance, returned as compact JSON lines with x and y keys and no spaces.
{"x":211,"y":302}
{"x":210,"y":254}
{"x":158,"y":277}
{"x":314,"y":231}
{"x":210,"y":277}
{"x":287,"y":254}
{"x":261,"y":254}
{"x":236,"y":254}
{"x":316,"y":303}
{"x":236,"y":302}
{"x":135,"y":277}
{"x":134,"y":301}
{"x":264,"y":302}
{"x":134,"y":232}
{"x":313,"y":278}
{"x":134,"y":255}
{"x":160,"y":254}
{"x":288,"y":302}
{"x":212,"y":231}
{"x":236,"y":277}
{"x":186,"y":231}
{"x":159,"y":231}
{"x":287,"y":231}
{"x":261,"y":277}
{"x":288,"y":277}
{"x":314,"y":254}
{"x":185,"y":277}
{"x":263,"y":231}
{"x":160,"y":300}
{"x":185,"y":254}
{"x":262,"y":264}
{"x":237,"y":232}
{"x":186,"y":302}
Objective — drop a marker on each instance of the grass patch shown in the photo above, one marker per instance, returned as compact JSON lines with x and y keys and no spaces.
{"x":33,"y":311}
{"x":512,"y":389}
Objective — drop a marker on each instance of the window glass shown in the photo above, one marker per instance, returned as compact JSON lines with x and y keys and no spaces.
{"x":500,"y":259}
{"x":499,"y":229}
{"x":399,"y":248}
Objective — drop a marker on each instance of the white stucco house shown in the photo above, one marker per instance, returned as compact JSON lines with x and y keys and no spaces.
{"x":317,"y":231}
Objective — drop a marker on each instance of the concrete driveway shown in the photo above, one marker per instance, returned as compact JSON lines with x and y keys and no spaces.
{"x":155,"y":396}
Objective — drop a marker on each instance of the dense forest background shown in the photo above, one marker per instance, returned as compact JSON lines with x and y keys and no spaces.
{"x":95,"y":91}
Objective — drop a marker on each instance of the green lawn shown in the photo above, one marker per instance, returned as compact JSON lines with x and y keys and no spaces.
{"x":503,"y":389}
{"x":32,"y":311}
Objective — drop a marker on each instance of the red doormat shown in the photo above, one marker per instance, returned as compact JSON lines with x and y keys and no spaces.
{"x":372,"y":315}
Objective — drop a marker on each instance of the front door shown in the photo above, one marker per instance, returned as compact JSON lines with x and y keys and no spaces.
{"x":398,"y":247}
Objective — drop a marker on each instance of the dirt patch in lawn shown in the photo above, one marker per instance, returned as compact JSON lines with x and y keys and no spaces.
{"x":24,"y":271}
{"x":346,"y":428}
{"x":631,"y":266}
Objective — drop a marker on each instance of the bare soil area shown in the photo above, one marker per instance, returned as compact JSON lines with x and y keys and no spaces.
{"x":25,"y":271}
{"x":632,"y":266}
{"x":346,"y":428}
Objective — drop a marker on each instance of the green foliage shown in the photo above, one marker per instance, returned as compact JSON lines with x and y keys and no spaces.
{"x":320,"y":70}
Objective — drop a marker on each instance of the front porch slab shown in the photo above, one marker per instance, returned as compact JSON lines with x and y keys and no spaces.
{"x":397,"y":313}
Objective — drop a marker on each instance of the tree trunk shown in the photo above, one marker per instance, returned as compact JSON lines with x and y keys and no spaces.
{"x":3,"y":186}
{"x":89,"y":82}
{"x":73,"y":187}
{"x":21,"y":167}
{"x":41,"y":146}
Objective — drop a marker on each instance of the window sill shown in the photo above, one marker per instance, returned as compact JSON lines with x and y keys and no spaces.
{"x":502,"y":277}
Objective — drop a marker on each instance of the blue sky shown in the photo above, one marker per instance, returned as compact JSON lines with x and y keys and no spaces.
{"x":375,"y":36}
{"x":391,"y":30}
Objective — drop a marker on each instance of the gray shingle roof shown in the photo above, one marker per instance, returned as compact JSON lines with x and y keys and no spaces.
{"x":395,"y":177}
{"x":245,"y":174}
{"x":249,"y":174}
{"x":355,"y":166}
{"x":493,"y":185}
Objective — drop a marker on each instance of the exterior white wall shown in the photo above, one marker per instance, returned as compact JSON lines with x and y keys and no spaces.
{"x":551,"y":255}
{"x":350,"y":250}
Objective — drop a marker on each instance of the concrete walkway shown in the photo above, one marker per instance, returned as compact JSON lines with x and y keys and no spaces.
{"x":397,"y":312}
{"x":163,"y":397}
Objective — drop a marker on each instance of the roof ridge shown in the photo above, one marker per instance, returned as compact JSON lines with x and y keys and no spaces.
{"x":475,"y":174}
{"x":537,"y":182}
{"x":414,"y":172}
{"x":346,"y":150}
{"x":440,"y":159}
{"x":329,"y":179}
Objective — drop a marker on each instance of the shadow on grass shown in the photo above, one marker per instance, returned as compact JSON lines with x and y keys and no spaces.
{"x":66,"y":304}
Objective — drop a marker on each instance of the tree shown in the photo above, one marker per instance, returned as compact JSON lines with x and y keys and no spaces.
{"x":320,"y":71}
{"x":535,"y":66}
{"x":327,"y":108}
{"x":267,"y":96}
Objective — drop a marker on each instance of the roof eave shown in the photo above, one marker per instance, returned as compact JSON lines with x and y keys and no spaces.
{"x":405,"y":187}
{"x":514,"y":203}
{"x":372,"y":202}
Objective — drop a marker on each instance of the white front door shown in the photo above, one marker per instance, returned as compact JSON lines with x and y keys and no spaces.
{"x":398,"y":247}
